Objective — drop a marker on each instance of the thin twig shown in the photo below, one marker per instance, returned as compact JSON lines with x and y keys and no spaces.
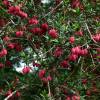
{"x":89,"y":32}
{"x":49,"y":94}
{"x":92,"y":59}
{"x":15,"y":92}
{"x":4,"y":27}
{"x":10,"y":95}
{"x":54,"y":9}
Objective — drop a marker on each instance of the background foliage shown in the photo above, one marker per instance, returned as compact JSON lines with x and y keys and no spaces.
{"x":75,"y":23}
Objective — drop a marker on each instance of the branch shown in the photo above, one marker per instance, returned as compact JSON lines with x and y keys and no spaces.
{"x":54,"y":9}
{"x":10,"y":95}
{"x":49,"y":94}
{"x":4,"y":27}
{"x":15,"y":92}
{"x":89,"y":32}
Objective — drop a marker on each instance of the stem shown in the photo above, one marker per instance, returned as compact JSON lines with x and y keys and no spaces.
{"x":54,"y":9}
{"x":49,"y":94}
{"x":15,"y":92}
{"x":90,"y":33}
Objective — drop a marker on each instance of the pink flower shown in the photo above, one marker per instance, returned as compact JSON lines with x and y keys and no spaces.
{"x":6,"y":38}
{"x":64,"y":64}
{"x":68,"y":98}
{"x":96,"y":37}
{"x":19,"y":33}
{"x":58,"y":52}
{"x":14,"y":10}
{"x":6,"y":3}
{"x":45,"y":80}
{"x":53,"y":33}
{"x":42,"y":73}
{"x":22,"y":14}
{"x":26,"y":70}
{"x":33,"y":21}
{"x":36,"y":31}
{"x":76,"y":50}
{"x":44,"y":26}
{"x":75,"y":97}
{"x":80,"y":33}
{"x":49,"y":78}
{"x":11,"y":45}
{"x":83,"y":52}
{"x":73,"y":57}
{"x":3,"y":53}
{"x":72,"y":39}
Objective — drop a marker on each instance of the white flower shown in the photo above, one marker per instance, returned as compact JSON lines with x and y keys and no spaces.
{"x":45,"y":1}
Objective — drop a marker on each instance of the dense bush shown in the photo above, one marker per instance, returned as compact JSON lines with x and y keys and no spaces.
{"x":59,"y":45}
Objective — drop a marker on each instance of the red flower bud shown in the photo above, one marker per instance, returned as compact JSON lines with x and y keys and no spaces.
{"x":6,"y":3}
{"x":58,"y":52}
{"x":68,"y":98}
{"x":22,"y":14}
{"x":64,"y":64}
{"x":14,"y":10}
{"x":11,"y":45}
{"x":44,"y":26}
{"x":83,"y":52}
{"x":72,"y":39}
{"x":33,"y":21}
{"x":96,"y":37}
{"x":53,"y":33}
{"x":76,"y":50}
{"x":36,"y":31}
{"x":45,"y":80}
{"x":80,"y":33}
{"x":6,"y":38}
{"x":26,"y":70}
{"x":75,"y":97}
{"x":3,"y":53}
{"x":19,"y":33}
{"x":42,"y":73}
{"x":73,"y":57}
{"x":49,"y":78}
